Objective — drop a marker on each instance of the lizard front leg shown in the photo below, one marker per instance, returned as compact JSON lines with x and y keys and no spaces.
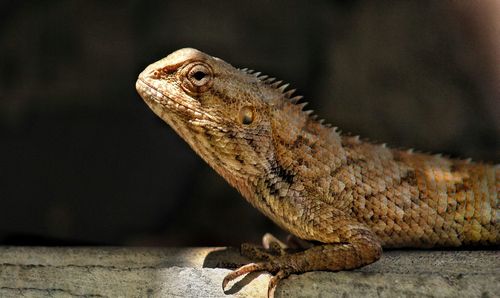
{"x":355,"y":247}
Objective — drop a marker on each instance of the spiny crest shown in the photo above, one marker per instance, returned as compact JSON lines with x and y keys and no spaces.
{"x":288,"y":95}
{"x":294,"y":100}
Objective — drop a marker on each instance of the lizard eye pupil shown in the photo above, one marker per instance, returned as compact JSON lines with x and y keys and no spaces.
{"x":199,"y":75}
{"x":246,"y":115}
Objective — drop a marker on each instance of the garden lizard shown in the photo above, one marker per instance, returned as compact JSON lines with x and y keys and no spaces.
{"x":346,"y":197}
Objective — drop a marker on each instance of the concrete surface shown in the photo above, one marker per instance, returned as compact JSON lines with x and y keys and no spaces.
{"x":198,"y":272}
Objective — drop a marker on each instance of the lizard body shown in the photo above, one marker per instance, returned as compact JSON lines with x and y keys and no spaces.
{"x":349,"y":197}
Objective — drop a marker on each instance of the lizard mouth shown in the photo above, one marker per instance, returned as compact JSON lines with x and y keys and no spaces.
{"x":152,"y":94}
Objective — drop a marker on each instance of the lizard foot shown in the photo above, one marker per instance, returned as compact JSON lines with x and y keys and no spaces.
{"x":272,"y":256}
{"x":362,"y":250}
{"x":271,"y":267}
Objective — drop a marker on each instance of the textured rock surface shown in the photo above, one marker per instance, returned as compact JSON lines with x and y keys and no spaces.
{"x":198,"y":272}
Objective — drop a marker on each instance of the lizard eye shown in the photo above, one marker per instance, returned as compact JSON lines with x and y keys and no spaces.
{"x":196,"y":77}
{"x":246,"y":115}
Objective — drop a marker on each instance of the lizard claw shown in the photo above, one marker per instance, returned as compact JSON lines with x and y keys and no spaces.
{"x":252,"y":267}
{"x":271,"y":288}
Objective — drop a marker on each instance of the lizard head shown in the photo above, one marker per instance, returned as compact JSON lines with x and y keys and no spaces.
{"x":222,"y":112}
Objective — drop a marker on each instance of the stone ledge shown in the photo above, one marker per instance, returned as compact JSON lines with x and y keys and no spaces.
{"x":198,"y":272}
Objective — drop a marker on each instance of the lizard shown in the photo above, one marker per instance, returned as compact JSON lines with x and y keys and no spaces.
{"x":344,"y":197}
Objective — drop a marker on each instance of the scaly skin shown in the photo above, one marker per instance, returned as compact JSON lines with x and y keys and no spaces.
{"x":348,"y":196}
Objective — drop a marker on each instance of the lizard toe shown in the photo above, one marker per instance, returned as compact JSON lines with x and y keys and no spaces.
{"x":273,"y":283}
{"x":248,"y":268}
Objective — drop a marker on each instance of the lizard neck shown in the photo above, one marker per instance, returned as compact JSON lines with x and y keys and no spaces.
{"x":299,"y":163}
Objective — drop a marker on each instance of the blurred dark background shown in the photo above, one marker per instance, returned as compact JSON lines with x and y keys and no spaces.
{"x":84,"y":161}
